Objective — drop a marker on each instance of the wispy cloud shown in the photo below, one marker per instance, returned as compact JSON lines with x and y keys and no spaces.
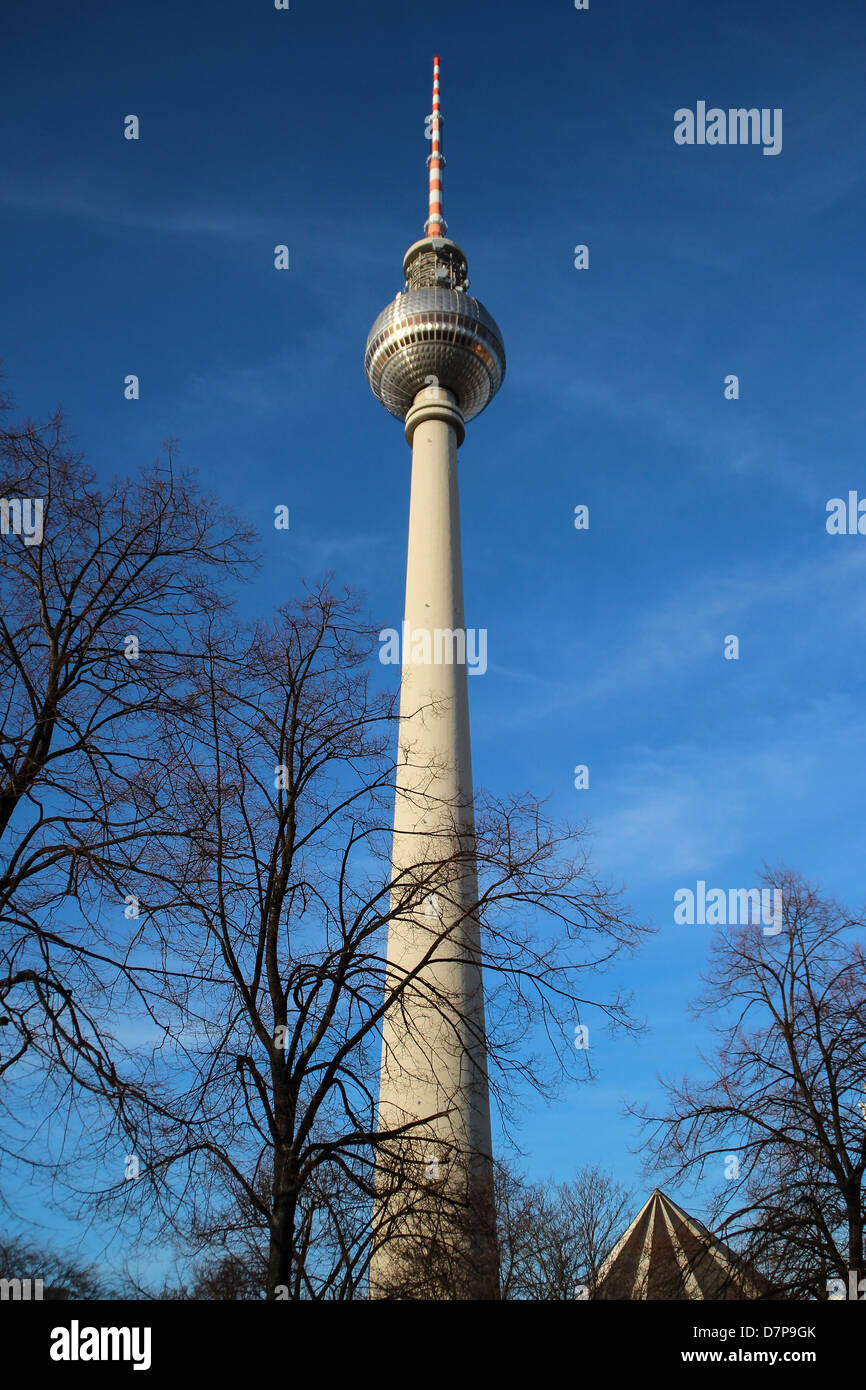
{"x":689,"y":810}
{"x":744,"y":447}
{"x":670,"y":642}
{"x":225,"y":223}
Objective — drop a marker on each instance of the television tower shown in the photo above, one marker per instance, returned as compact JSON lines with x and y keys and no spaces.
{"x":434,"y":358}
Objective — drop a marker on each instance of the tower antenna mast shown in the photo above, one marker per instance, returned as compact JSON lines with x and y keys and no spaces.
{"x":435,"y":224}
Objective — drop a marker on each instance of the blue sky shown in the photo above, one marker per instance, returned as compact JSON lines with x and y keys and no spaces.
{"x":707,"y":516}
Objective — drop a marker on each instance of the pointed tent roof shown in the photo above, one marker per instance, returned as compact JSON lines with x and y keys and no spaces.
{"x":667,"y":1254}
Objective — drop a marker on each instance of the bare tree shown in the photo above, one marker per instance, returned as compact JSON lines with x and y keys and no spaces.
{"x":99,"y":606}
{"x":270,"y":907}
{"x":552,"y":1239}
{"x":554,"y":1236}
{"x":221,"y":1278}
{"x":63,"y":1275}
{"x":782,"y":1113}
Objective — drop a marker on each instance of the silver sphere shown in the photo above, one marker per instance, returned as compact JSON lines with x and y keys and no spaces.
{"x":436,"y":331}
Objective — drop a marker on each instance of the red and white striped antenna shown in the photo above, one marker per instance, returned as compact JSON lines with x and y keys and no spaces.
{"x":435,"y":224}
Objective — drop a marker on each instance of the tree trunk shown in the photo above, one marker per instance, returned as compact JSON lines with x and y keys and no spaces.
{"x":282,"y":1230}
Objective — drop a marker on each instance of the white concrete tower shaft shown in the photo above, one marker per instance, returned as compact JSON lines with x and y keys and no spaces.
{"x":434,"y":1046}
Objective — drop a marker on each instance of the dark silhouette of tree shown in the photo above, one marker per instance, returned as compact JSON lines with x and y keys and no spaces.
{"x":785,"y":1099}
{"x":62,"y":1275}
{"x":97,"y":621}
{"x":269,"y":906}
{"x":554,"y":1236}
